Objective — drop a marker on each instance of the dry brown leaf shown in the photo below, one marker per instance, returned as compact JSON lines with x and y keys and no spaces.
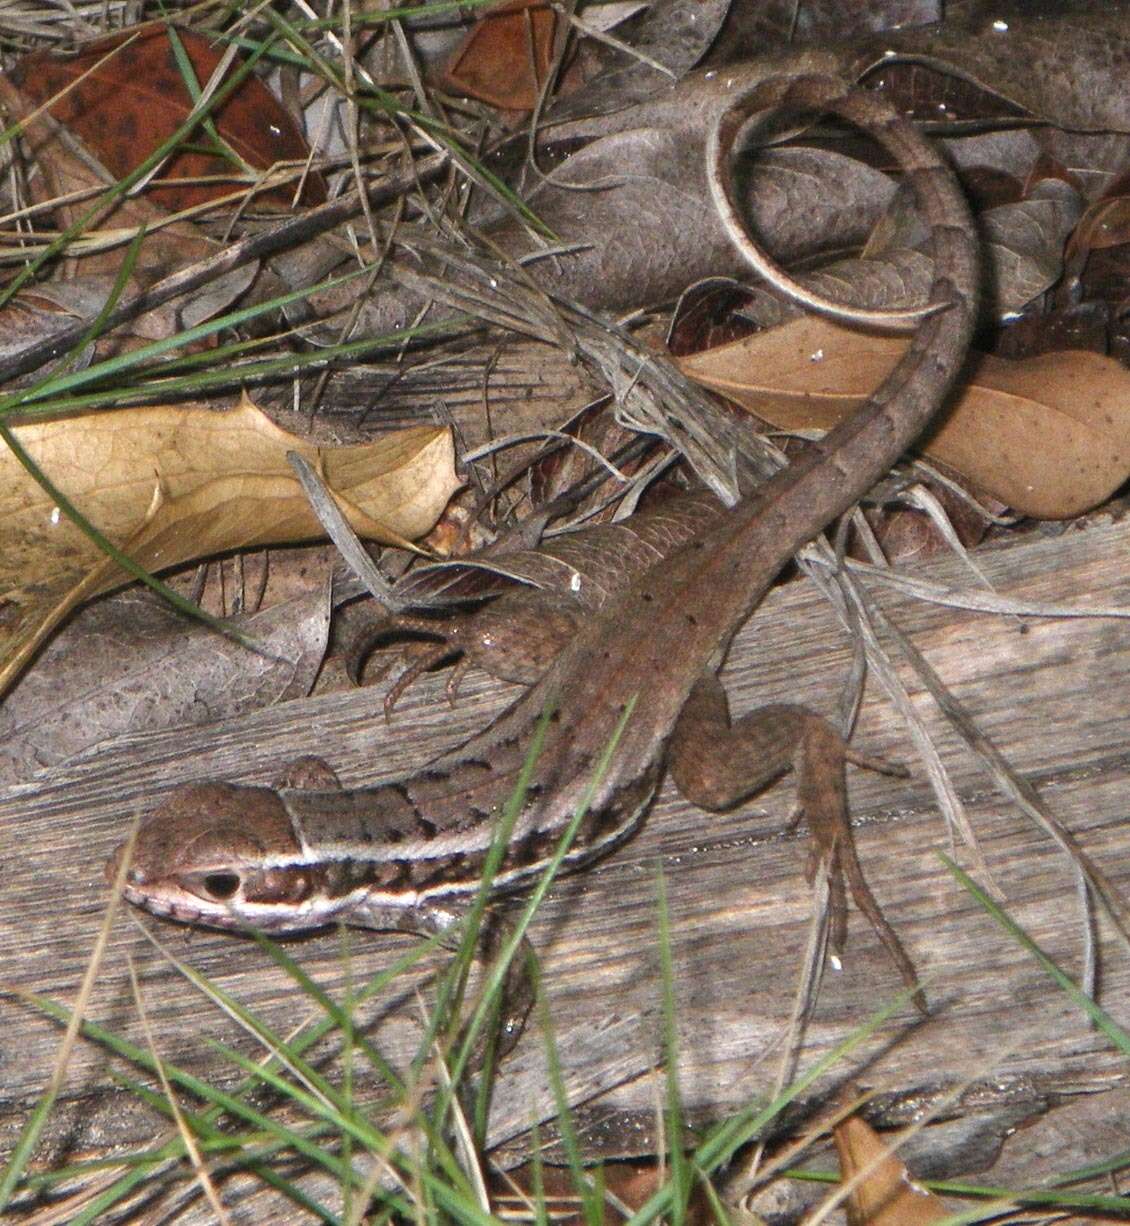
{"x":886,"y":1196}
{"x":172,"y":483}
{"x":124,"y":95}
{"x":1104,"y":225}
{"x":131,"y":663}
{"x":70,"y":176}
{"x":1048,"y":435}
{"x":505,"y":56}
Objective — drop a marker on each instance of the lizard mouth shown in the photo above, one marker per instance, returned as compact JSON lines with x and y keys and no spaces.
{"x":171,"y":900}
{"x":174,"y":908}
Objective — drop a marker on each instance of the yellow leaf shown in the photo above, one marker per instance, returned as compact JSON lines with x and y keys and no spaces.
{"x":1047,"y":435}
{"x":173,"y":483}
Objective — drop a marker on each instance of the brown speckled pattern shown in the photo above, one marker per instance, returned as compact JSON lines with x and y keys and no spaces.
{"x":138,"y":98}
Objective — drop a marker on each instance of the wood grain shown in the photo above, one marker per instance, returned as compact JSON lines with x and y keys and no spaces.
{"x":1053,"y":695}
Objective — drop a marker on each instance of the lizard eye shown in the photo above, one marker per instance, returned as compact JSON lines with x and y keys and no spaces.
{"x":221,"y":886}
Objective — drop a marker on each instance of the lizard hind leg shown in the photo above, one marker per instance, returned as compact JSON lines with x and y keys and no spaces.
{"x":514,"y":637}
{"x":716,"y":763}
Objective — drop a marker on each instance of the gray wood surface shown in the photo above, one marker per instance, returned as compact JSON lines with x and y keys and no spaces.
{"x":1053,"y":695}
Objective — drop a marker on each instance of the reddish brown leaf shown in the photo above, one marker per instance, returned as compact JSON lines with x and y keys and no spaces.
{"x":134,"y":101}
{"x":68,"y":177}
{"x":505,"y":56}
{"x":708,"y":314}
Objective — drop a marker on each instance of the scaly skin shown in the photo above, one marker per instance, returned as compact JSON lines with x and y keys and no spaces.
{"x":400,"y":855}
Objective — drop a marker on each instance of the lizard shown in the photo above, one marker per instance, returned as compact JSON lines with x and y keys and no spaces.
{"x":407,"y":855}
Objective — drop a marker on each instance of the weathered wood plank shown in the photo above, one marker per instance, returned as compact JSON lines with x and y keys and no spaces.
{"x":1053,"y":695}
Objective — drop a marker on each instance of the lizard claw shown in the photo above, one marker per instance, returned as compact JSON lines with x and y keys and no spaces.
{"x":425,"y":660}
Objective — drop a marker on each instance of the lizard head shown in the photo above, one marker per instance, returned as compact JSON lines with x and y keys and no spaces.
{"x":220,"y":855}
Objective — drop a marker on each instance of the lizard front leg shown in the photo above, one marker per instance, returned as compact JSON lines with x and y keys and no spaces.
{"x":716,"y":763}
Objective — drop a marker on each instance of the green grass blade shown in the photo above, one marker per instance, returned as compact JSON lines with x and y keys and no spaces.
{"x":218,"y":147}
{"x":592,"y":1208}
{"x":341,"y":1016}
{"x":1050,"y":1196}
{"x":142,"y":1058}
{"x":724,"y":1141}
{"x":500,"y":842}
{"x":21,"y":401}
{"x":1101,"y":1019}
{"x":173,"y":1150}
{"x":118,"y":190}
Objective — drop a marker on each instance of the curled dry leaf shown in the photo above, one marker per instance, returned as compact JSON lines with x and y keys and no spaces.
{"x":1105,"y":224}
{"x":1057,"y":63}
{"x":172,"y":483}
{"x":626,"y":1184}
{"x":1022,"y":243}
{"x":28,"y":319}
{"x":1048,"y":435}
{"x":47,"y":309}
{"x":886,"y":1195}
